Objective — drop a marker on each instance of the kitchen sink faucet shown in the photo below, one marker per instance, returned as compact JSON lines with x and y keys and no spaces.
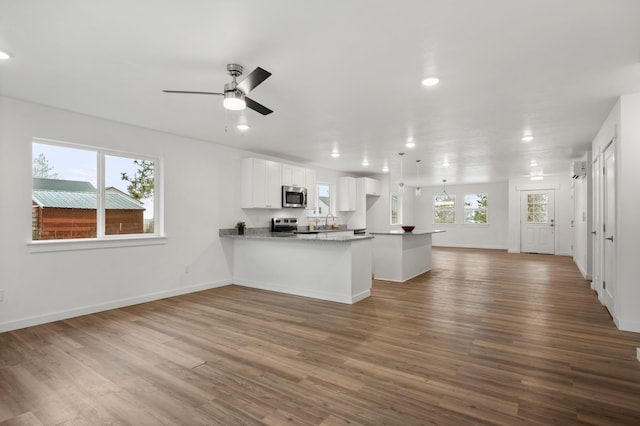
{"x":326,"y":220}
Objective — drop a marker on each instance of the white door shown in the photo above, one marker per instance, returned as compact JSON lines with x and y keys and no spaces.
{"x":537,"y":223}
{"x":609,"y":228}
{"x":596,"y":171}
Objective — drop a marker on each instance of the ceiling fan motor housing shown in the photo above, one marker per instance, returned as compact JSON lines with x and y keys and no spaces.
{"x":234,"y":70}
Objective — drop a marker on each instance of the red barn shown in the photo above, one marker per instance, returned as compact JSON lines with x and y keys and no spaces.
{"x":64,"y":209}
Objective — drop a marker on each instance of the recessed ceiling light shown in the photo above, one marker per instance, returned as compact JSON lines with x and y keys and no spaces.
{"x":385,"y":169}
{"x":527,"y":138}
{"x":4,"y":55}
{"x":533,"y":163}
{"x":243,"y":127}
{"x":430,"y":81}
{"x":536,"y":178}
{"x":335,"y":154}
{"x":410,"y":143}
{"x":446,"y":164}
{"x":365,"y":162}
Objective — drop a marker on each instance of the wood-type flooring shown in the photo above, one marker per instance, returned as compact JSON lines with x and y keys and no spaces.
{"x":486,"y":337}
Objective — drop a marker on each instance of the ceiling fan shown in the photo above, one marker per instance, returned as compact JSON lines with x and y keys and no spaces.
{"x":235,"y":98}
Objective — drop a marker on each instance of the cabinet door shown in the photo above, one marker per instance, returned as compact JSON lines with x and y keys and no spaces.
{"x":273,"y":190}
{"x":261,"y":184}
{"x":293,"y":175}
{"x":346,"y":194}
{"x":372,"y":186}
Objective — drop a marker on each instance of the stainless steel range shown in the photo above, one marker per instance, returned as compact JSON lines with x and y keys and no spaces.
{"x":284,"y":224}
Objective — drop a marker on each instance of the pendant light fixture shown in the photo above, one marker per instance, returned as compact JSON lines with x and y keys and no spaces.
{"x":444,"y":199}
{"x":444,"y":194}
{"x":401,"y":184}
{"x":418,"y":189}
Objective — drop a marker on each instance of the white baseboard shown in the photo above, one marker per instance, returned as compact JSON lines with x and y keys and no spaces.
{"x":120,"y":303}
{"x":625,"y":325}
{"x":584,"y":273}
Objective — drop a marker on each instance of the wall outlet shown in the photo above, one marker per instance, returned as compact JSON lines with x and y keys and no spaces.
{"x":2,"y":297}
{"x":187,"y":269}
{"x":638,"y":353}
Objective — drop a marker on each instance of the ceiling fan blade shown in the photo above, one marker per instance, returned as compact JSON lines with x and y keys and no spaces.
{"x":193,"y":93}
{"x":251,"y":81}
{"x":257,"y":107}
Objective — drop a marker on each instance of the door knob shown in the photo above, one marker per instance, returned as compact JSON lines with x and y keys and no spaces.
{"x":594,"y":232}
{"x":610,"y":238}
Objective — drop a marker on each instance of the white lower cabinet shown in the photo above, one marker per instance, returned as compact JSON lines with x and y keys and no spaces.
{"x":261,"y":184}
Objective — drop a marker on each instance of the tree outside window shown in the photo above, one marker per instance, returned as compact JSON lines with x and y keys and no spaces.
{"x":475,"y":208}
{"x":444,"y":209}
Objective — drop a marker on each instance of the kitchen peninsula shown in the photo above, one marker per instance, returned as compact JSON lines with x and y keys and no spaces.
{"x":328,"y":266}
{"x":399,"y":256}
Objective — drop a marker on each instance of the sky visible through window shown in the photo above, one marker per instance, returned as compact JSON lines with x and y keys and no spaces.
{"x":81,"y":165}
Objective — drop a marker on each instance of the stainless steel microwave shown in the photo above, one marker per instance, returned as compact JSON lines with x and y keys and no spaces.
{"x":294,"y":197}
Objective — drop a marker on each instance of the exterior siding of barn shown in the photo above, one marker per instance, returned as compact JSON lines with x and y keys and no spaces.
{"x":64,"y":209}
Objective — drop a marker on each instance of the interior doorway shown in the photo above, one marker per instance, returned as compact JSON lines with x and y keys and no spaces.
{"x":537,"y":221}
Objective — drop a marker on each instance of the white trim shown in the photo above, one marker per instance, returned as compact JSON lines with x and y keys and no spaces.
{"x":43,"y":246}
{"x":115,"y":304}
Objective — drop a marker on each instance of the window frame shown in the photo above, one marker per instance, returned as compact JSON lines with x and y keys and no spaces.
{"x":103,"y":240}
{"x":399,"y":208}
{"x":467,"y":209}
{"x":332,"y":201}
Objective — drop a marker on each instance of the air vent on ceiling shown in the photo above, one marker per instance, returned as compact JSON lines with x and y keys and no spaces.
{"x":578,"y":169}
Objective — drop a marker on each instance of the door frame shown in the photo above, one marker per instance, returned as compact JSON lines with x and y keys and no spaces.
{"x":596,"y":231}
{"x":609,"y":275}
{"x":537,"y":187}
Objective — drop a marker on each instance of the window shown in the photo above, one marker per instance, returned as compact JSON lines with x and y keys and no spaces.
{"x":396,"y":209}
{"x":444,"y":209}
{"x":83,"y":192}
{"x":324,"y":201}
{"x":537,"y":211}
{"x":475,"y":208}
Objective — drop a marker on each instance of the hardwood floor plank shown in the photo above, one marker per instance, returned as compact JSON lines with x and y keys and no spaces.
{"x":486,"y":337}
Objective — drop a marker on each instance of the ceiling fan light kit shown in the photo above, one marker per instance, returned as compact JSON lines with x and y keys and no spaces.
{"x":234,"y":100}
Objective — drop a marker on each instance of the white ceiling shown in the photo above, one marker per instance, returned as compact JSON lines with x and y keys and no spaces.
{"x":346,"y":74}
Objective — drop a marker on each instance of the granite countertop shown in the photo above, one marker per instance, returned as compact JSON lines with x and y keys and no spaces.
{"x":414,"y":232}
{"x":302,"y":234}
{"x":287,"y":236}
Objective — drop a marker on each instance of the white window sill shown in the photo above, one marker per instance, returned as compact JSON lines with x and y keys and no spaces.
{"x":93,"y":243}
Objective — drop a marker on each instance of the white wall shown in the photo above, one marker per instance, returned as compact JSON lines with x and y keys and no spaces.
{"x":201,"y":179}
{"x":491,"y":236}
{"x":582,"y":220}
{"x":563,"y":210}
{"x":628,"y":205}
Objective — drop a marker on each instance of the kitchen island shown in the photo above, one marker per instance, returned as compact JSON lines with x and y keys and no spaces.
{"x":328,"y":266}
{"x":399,"y":256}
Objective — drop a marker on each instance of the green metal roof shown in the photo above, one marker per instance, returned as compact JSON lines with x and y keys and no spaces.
{"x":72,"y":194}
{"x":82,"y":200}
{"x":63,"y":185}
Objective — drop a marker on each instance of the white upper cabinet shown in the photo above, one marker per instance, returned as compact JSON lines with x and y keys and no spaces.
{"x":261,"y":184}
{"x":372,"y":186}
{"x":294,"y":176}
{"x":346,"y":194}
